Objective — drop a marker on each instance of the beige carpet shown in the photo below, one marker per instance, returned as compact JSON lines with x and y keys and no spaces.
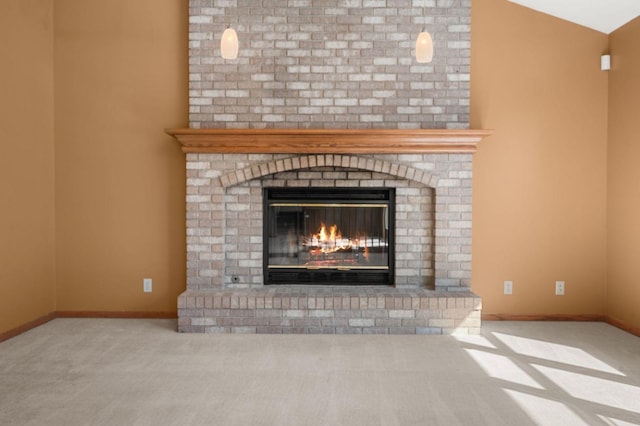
{"x":141,"y":372}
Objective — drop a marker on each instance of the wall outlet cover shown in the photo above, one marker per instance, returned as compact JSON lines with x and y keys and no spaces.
{"x":147,"y":285}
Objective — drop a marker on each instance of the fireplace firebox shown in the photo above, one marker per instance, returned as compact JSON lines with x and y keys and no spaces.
{"x":329,"y":236}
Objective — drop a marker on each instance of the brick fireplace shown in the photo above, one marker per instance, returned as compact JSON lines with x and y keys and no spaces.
{"x":227,"y":171}
{"x":326,"y":94}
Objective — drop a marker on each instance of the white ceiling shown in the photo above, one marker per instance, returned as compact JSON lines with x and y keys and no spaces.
{"x":605,"y":16}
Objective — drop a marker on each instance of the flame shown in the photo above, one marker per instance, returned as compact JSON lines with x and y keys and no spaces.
{"x":334,"y":234}
{"x":328,"y":247}
{"x":329,"y":241}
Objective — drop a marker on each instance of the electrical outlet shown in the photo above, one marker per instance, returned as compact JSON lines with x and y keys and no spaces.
{"x":559,"y":288}
{"x":147,"y":285}
{"x":508,"y":287}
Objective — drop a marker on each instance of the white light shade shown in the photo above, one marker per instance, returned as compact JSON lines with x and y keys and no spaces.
{"x":424,"y":48}
{"x":229,"y":44}
{"x":605,"y":62}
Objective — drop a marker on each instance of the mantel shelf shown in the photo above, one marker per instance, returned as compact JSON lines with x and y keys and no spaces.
{"x":328,"y":141}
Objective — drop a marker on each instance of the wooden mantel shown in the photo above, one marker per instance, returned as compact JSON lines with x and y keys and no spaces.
{"x":328,"y":141}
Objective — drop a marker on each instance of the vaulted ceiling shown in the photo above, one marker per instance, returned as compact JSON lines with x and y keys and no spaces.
{"x":605,"y":16}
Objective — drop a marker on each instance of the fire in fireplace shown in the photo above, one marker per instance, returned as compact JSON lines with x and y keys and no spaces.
{"x":328,"y":236}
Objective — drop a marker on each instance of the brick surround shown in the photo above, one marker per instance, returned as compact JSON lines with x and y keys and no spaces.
{"x":329,"y":64}
{"x":433,"y":245}
{"x":433,"y":212}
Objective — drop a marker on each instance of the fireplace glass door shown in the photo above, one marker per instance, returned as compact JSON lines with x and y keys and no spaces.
{"x":328,"y":236}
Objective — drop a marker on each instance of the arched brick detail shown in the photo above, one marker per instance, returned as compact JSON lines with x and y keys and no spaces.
{"x":391,"y":168}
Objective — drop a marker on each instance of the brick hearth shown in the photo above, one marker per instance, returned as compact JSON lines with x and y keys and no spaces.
{"x":329,"y":310}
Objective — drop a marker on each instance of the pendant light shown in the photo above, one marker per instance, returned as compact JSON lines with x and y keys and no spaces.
{"x":229,"y":44}
{"x":424,"y":48}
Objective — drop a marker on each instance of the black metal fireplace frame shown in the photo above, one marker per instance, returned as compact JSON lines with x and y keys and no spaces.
{"x":328,"y":276}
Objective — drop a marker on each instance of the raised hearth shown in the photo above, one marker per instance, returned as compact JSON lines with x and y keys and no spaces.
{"x":329,"y":310}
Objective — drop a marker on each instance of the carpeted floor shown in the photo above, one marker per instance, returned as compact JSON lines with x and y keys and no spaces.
{"x":141,"y":372}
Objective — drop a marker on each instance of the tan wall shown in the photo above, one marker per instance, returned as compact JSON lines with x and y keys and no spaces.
{"x":120,"y":78}
{"x":623,"y":289}
{"x":27,"y":253}
{"x":539,"y":207}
